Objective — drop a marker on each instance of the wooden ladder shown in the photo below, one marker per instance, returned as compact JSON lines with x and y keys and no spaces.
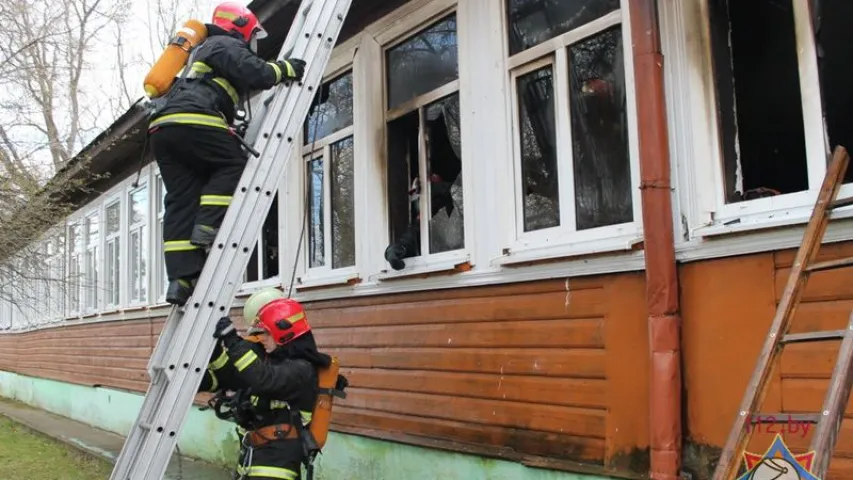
{"x":828,"y":420}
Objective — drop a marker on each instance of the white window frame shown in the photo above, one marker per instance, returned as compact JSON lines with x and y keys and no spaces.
{"x":160,"y":281}
{"x":144,"y":242}
{"x":696,"y":135}
{"x":564,"y":240}
{"x":322,"y":148}
{"x":90,"y":292}
{"x":116,"y":238}
{"x":75,"y":262}
{"x":408,"y":26}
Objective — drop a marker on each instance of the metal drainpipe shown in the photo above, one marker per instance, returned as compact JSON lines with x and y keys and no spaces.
{"x":661,"y":272}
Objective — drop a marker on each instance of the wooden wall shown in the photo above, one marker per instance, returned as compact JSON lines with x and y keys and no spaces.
{"x":728,"y":306}
{"x":547,"y":373}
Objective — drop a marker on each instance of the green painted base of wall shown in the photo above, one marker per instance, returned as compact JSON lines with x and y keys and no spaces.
{"x":206,"y":437}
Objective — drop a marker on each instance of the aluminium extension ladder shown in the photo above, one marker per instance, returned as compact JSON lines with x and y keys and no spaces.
{"x":183,"y":350}
{"x":828,"y":420}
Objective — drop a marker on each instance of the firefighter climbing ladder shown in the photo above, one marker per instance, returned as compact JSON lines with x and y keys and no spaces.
{"x":186,"y":342}
{"x":828,"y":420}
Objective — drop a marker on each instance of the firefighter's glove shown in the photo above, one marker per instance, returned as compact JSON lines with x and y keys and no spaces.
{"x":225,"y":329}
{"x":291,"y":69}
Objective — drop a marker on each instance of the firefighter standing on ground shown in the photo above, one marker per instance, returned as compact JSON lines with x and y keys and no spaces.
{"x":200,"y":158}
{"x":269,"y":384}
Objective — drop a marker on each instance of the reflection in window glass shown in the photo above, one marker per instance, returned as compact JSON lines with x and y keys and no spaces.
{"x":539,"y":179}
{"x":444,"y":161}
{"x":343,"y":203}
{"x":113,"y":242}
{"x":531,"y":22}
{"x":600,"y":131}
{"x":161,"y":274}
{"x":138,"y":255}
{"x":316,"y":218}
{"x":331,"y":110}
{"x":91,"y":285}
{"x":75,"y":249}
{"x":422,"y":63}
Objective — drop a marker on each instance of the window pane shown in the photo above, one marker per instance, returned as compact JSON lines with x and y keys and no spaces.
{"x":444,"y":160}
{"x":600,"y":131}
{"x":138,"y":260}
{"x":316,"y":223}
{"x":92,"y":230}
{"x":112,"y":273}
{"x":422,"y":63}
{"x":531,"y":22}
{"x":138,"y":206}
{"x":113,"y":218}
{"x":334,"y":111}
{"x":343,"y":204}
{"x":539,"y":179}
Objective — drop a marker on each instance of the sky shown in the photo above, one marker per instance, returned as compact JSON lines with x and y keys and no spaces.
{"x":101,"y":81}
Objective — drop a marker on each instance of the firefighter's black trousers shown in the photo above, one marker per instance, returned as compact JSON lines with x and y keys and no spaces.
{"x":201,"y":167}
{"x":277,"y":460}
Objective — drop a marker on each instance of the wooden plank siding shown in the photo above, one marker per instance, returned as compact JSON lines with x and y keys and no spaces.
{"x":728,"y":306}
{"x":541,"y":372}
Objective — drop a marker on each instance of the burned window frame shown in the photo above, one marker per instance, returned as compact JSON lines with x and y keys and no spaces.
{"x":321,"y":148}
{"x":417,"y":105}
{"x":565,"y":239}
{"x":703,"y":181}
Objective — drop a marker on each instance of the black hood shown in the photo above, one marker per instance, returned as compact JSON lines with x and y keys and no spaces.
{"x":304,"y":348}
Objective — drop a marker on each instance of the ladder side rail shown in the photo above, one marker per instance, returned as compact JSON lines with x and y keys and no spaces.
{"x":832,"y":413}
{"x":200,"y":358}
{"x":768,"y":358}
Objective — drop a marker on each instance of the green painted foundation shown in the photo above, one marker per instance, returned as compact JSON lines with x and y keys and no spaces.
{"x":206,"y":437}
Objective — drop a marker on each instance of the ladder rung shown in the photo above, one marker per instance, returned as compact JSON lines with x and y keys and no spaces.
{"x":814,"y":336}
{"x":841,"y":203}
{"x":784,"y":418}
{"x":830,"y":265}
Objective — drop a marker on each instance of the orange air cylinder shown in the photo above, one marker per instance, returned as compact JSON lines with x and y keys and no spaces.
{"x":322,"y":416}
{"x":174,"y":57}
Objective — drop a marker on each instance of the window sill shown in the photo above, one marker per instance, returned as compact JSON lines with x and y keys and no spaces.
{"x":443,"y":263}
{"x":794,"y":215}
{"x":328,"y":280}
{"x":250,"y":287}
{"x":513,"y":256}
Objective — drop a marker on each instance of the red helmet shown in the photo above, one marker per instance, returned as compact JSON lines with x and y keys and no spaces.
{"x":233,"y":17}
{"x":284,"y":320}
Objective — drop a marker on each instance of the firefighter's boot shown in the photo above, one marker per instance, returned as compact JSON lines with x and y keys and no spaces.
{"x":203,"y":235}
{"x":180,"y":290}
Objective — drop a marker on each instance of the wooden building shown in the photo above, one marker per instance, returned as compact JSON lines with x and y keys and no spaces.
{"x":635,"y":177}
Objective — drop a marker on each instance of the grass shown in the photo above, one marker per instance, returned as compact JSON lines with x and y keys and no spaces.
{"x":25,"y":455}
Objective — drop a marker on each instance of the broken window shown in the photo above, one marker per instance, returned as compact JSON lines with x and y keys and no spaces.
{"x":329,"y":182}
{"x":162,"y":279}
{"x":760,"y":108}
{"x":424,"y":142}
{"x":572,"y":147}
{"x":264,"y":264}
{"x":835,"y":40}
{"x":91,"y":272}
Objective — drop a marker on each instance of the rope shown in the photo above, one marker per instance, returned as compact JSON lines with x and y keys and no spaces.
{"x":180,"y":463}
{"x":305,"y":214}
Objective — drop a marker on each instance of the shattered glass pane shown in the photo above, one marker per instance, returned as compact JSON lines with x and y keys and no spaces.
{"x":539,"y":178}
{"x":444,"y":160}
{"x":600,"y":131}
{"x":422,"y":63}
{"x":113,"y":218}
{"x":531,"y":22}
